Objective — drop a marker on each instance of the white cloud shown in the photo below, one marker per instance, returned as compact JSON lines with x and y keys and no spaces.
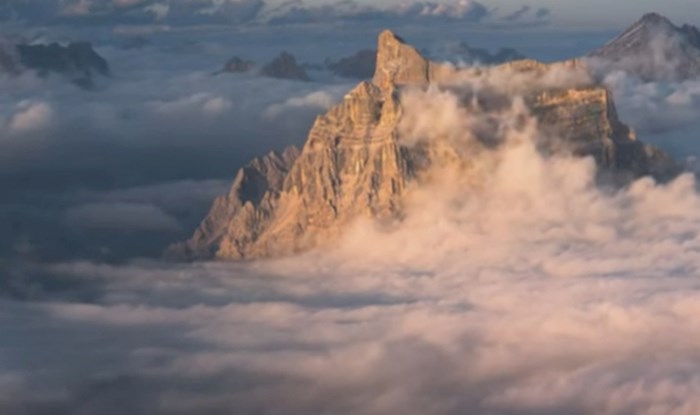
{"x":315,"y":101}
{"x":31,"y":116}
{"x":663,"y":113}
{"x":204,"y":103}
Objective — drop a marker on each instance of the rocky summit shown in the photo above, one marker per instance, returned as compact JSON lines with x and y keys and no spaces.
{"x":357,"y":163}
{"x":654,"y":49}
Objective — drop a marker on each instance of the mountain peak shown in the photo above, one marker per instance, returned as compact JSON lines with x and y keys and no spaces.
{"x":387,"y":36}
{"x":650,"y":25}
{"x":398,"y":63}
{"x":654,"y":18}
{"x":285,"y":66}
{"x":654,"y":49}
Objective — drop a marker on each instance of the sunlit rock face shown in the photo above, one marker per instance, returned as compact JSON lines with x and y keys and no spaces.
{"x":250,"y":201}
{"x":360,"y":160}
{"x":654,"y":49}
{"x":586,"y":119}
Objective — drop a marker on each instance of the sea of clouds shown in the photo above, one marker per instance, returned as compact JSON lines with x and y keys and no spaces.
{"x":538,"y":293}
{"x":523,"y":287}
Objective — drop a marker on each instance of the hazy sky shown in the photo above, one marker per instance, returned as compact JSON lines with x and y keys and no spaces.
{"x":594,"y":13}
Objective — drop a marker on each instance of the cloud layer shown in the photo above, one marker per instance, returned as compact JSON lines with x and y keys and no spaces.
{"x":522,"y":287}
{"x":543,"y":295}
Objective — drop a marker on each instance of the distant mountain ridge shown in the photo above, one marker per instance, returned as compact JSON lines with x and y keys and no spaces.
{"x":77,"y":61}
{"x":360,"y":65}
{"x":470,"y":55}
{"x":654,"y":48}
{"x":285,"y":66}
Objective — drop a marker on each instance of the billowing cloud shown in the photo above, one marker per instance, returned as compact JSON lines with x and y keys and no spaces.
{"x":540,"y":294}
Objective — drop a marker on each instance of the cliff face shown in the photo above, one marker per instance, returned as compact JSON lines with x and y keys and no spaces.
{"x":355,"y":163}
{"x":248,"y":204}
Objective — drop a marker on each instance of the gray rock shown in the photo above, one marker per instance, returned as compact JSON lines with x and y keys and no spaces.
{"x":654,"y":49}
{"x":285,"y":66}
{"x":237,"y":65}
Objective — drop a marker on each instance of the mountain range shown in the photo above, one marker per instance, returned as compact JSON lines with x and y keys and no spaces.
{"x":356,"y":161}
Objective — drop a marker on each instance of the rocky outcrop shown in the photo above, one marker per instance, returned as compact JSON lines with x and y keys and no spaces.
{"x":399,"y":64}
{"x":654,"y":49}
{"x":237,"y":65}
{"x":77,"y":61}
{"x":355,"y":162}
{"x":586,"y":120}
{"x":285,"y":66}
